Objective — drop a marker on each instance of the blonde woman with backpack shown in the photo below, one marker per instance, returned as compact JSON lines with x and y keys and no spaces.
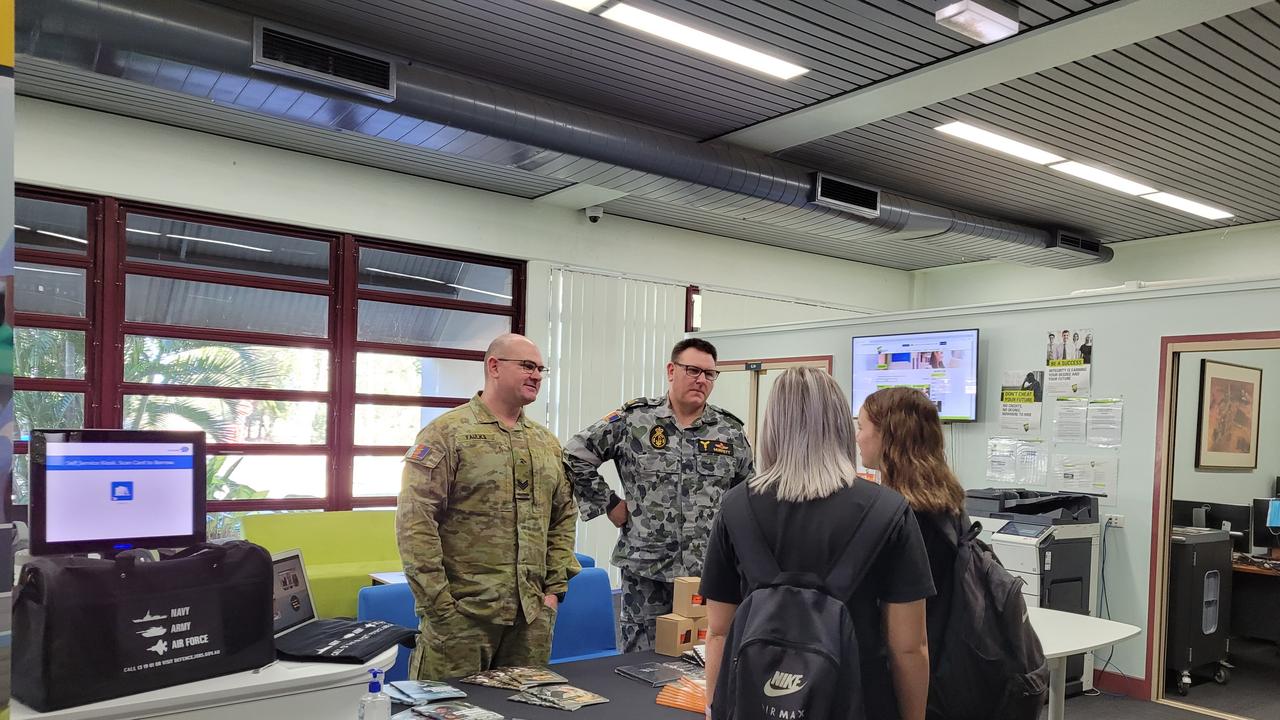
{"x":815,"y":579}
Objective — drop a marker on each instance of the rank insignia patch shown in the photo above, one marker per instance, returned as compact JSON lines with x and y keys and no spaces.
{"x":658,"y":437}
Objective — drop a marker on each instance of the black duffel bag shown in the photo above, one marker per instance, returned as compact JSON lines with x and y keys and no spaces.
{"x":89,"y":630}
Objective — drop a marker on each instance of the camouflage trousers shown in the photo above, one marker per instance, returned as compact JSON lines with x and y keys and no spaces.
{"x":458,"y":645}
{"x":643,"y":600}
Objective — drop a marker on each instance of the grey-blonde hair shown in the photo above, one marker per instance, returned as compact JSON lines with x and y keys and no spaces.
{"x":807,"y":441}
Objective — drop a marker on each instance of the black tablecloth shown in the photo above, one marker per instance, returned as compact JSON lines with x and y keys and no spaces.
{"x":628,"y":699}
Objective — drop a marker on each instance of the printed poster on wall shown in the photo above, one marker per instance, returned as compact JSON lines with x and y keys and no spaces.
{"x":1068,"y":358}
{"x":1096,"y":475}
{"x":1021,"y":403}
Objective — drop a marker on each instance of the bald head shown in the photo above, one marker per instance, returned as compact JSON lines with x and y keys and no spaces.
{"x":505,"y":346}
{"x":512,"y":371}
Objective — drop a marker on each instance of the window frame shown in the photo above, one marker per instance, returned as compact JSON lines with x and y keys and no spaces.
{"x":107,"y":267}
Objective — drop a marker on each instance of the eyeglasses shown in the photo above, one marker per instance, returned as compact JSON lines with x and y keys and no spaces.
{"x":694,"y":371}
{"x":528,"y":366}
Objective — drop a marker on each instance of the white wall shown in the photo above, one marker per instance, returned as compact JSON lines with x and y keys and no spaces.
{"x":1245,"y":251}
{"x":1237,"y":487}
{"x":1127,"y":331}
{"x":77,"y":149}
{"x":723,"y":310}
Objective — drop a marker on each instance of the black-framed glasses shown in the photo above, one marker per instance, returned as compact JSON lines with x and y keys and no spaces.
{"x":528,"y":366}
{"x":694,"y":371}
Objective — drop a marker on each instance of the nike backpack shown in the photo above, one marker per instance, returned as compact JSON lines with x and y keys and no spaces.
{"x":991,"y":664}
{"x":792,"y":653}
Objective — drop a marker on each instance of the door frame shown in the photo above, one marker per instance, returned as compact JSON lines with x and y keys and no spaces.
{"x":1171,"y":348}
{"x":756,"y":366}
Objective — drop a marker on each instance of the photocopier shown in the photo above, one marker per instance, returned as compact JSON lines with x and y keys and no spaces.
{"x":1051,"y":541}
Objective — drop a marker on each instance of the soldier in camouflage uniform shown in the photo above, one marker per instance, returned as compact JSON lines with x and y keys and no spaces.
{"x":485,"y":524}
{"x":675,"y":455}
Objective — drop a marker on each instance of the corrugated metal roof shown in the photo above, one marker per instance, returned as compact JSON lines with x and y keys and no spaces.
{"x":1191,"y":112}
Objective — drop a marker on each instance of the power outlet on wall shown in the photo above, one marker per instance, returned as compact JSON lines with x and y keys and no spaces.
{"x":1116,"y":521}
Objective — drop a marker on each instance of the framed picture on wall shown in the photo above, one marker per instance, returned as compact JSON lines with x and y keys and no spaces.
{"x":1227,"y":424}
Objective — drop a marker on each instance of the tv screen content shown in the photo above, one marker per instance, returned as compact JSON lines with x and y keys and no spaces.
{"x":943,"y":365}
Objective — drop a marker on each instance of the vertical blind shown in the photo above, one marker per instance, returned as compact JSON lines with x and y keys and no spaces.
{"x":610,"y":339}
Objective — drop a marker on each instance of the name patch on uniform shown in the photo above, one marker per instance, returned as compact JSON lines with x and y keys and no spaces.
{"x":418,"y":453}
{"x":475,"y":436}
{"x":715,"y":447}
{"x":658,"y":437}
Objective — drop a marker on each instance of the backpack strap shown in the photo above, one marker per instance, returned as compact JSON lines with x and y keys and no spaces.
{"x":760,"y":567}
{"x":755,"y":557}
{"x":853,"y":564}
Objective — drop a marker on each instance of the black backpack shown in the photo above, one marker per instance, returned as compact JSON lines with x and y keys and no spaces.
{"x":991,"y":664}
{"x":792,"y":653}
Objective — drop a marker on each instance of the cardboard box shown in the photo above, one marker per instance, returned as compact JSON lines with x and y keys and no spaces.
{"x":675,"y":634}
{"x":700,"y":629}
{"x":687,"y":600}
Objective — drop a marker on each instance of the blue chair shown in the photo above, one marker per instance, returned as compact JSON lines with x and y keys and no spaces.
{"x":585,"y":561}
{"x":394,"y":604}
{"x":585,"y":624}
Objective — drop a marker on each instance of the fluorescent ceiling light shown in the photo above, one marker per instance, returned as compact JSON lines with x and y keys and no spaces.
{"x":142,"y":232}
{"x":1102,"y":177}
{"x":702,"y":42}
{"x":438,"y":282}
{"x":21,"y":227}
{"x":1003,"y":144}
{"x":43,"y":270}
{"x":220,"y":242}
{"x":50,"y":233}
{"x":1190,"y":206}
{"x":983,"y":20}
{"x":583,"y":5}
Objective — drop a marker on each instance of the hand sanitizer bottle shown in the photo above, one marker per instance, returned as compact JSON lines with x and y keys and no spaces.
{"x":375,"y":705}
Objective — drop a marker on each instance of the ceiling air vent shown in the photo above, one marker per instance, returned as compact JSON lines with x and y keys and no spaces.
{"x":843,"y":195}
{"x":1076,"y":245}
{"x":298,"y":53}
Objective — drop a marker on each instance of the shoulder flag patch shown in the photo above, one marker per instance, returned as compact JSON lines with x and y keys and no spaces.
{"x":418,"y":452}
{"x":613,"y":417}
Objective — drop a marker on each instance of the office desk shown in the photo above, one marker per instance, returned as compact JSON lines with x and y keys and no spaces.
{"x":315,"y":691}
{"x":1255,"y":595}
{"x":1064,"y":634}
{"x":628,"y":699}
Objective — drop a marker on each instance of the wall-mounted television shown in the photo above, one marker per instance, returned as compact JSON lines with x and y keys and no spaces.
{"x":942,"y":365}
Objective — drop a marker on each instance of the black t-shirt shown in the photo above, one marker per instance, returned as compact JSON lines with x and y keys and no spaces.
{"x":810,"y":537}
{"x":942,"y":565}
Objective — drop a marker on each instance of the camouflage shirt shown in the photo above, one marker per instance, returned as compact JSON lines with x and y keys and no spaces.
{"x":672,"y":480}
{"x":485,"y":519}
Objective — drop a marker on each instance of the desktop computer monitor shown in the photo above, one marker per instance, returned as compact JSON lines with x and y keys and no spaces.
{"x":1266,"y":523}
{"x":107,"y":491}
{"x":1198,"y":513}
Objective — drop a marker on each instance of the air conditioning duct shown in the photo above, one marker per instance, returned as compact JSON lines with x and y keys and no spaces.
{"x":841,"y":194}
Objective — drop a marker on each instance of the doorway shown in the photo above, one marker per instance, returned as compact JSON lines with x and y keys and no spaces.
{"x":1210,"y":594}
{"x":744,"y":385}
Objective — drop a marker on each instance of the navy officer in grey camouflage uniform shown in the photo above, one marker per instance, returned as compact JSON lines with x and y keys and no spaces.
{"x":676,"y":455}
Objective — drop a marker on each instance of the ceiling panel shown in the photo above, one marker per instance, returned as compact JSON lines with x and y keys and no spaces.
{"x":1191,"y":112}
{"x":548,"y":48}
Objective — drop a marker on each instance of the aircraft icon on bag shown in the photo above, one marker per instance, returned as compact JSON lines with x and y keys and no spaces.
{"x":152,"y":632}
{"x":160,"y":648}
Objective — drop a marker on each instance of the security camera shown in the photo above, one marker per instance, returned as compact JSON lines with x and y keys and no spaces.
{"x":594,"y":213}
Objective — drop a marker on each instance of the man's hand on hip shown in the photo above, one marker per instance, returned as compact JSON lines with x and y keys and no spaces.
{"x":619,"y":515}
